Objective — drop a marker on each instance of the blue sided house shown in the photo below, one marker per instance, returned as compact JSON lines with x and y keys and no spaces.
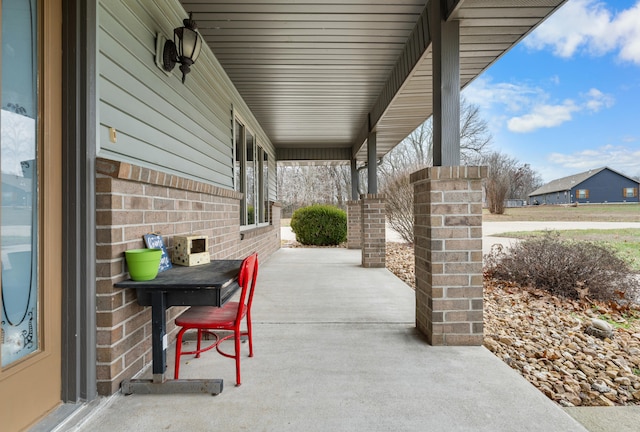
{"x":597,"y":186}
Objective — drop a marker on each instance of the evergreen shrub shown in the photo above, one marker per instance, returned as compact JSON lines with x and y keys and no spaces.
{"x":320,"y":225}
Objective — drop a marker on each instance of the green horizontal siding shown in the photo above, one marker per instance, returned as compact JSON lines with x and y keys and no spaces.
{"x":161,"y":123}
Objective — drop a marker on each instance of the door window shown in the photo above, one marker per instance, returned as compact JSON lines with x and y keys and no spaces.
{"x":19,"y":188}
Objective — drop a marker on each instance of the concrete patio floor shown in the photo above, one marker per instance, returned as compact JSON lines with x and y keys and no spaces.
{"x":336,"y":350}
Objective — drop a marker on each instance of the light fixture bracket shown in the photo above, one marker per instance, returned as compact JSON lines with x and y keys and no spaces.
{"x":184,"y":48}
{"x":161,"y":41}
{"x":169,"y":56}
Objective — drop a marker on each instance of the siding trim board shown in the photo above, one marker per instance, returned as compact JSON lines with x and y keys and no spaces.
{"x":127,"y":171}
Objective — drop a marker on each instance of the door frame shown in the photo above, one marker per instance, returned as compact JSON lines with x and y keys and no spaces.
{"x":79,"y":382}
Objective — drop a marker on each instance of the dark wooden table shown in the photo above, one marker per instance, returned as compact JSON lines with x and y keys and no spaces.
{"x":211,"y":284}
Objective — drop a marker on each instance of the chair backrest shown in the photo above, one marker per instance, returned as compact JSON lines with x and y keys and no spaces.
{"x":247,"y":280}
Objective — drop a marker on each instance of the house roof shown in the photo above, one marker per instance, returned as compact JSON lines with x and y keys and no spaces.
{"x":320,"y":74}
{"x":567,"y":183}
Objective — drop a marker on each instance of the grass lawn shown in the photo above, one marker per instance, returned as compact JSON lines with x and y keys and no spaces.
{"x":585,"y":212}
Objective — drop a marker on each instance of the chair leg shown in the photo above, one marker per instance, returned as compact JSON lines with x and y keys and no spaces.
{"x":250,"y":335}
{"x":176,"y":368}
{"x":198,"y":343}
{"x":237,"y":343}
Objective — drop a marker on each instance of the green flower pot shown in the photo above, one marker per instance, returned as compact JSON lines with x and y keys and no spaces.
{"x":143,"y":264}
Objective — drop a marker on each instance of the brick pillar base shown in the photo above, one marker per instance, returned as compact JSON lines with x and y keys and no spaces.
{"x":448,"y":254}
{"x":373,"y":230}
{"x":354,"y":224}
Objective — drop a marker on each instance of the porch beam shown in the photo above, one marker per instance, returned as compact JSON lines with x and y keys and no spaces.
{"x":313,"y":154}
{"x":414,"y":49}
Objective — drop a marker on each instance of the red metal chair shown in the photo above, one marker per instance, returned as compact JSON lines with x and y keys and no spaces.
{"x":229,"y":317}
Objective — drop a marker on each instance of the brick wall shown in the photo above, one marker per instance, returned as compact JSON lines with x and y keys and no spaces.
{"x":132,"y":201}
{"x":373,"y":230}
{"x":354,"y":224}
{"x":448,"y":254}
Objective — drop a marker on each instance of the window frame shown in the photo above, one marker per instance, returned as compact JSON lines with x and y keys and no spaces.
{"x":629,"y":192}
{"x":582,"y":193}
{"x":258,"y":184}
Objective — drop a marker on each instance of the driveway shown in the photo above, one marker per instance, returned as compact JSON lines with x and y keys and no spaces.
{"x":490,"y":229}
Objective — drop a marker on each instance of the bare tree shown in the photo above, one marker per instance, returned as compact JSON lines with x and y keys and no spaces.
{"x":413,"y":153}
{"x":400,"y":206}
{"x":300,"y":186}
{"x":416,"y":152}
{"x":524,"y":181}
{"x":497,"y":181}
{"x":475,"y":137}
{"x":507,"y":178}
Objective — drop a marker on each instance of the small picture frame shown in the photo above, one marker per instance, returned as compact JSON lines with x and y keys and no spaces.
{"x":154,"y":241}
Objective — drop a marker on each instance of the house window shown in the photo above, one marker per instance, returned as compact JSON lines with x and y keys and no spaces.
{"x":251,"y":177}
{"x":582,"y":193}
{"x":629,"y":192}
{"x":263,"y":189}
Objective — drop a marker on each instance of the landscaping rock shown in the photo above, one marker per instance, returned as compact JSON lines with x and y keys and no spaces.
{"x":600,"y":328}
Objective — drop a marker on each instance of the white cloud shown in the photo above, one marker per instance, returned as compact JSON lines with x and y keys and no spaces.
{"x":548,"y":116}
{"x":543,"y":116}
{"x":525,"y":108}
{"x":620,"y":158}
{"x":628,"y":32}
{"x":596,"y":100}
{"x":588,"y":26}
{"x":513,"y":96}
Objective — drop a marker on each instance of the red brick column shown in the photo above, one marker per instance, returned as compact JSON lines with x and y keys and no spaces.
{"x":373,"y":230}
{"x":448,"y":254}
{"x":354,"y":224}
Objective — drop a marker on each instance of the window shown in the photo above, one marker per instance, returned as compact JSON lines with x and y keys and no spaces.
{"x":582,"y":193}
{"x":263,"y":189}
{"x":20,"y":187}
{"x":629,"y":192}
{"x":251,"y":177}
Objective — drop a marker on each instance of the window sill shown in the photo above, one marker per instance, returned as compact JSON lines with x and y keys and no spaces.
{"x":250,"y":233}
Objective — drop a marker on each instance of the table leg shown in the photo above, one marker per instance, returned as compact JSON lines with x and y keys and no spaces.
{"x":159,"y":335}
{"x":159,"y":385}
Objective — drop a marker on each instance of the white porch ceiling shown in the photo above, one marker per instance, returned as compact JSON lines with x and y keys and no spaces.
{"x":315,"y":71}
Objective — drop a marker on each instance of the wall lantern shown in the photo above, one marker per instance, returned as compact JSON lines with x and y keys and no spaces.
{"x":184,"y":48}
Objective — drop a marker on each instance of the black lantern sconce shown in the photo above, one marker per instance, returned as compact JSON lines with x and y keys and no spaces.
{"x":184,"y":48}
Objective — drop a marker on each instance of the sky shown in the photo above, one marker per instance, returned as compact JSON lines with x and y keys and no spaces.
{"x":566,"y":99}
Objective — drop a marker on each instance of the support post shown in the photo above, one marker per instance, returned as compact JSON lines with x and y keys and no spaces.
{"x":446,"y":87}
{"x":373,"y":230}
{"x":372,"y":164}
{"x":355,"y":180}
{"x":448,"y":254}
{"x":354,"y":224}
